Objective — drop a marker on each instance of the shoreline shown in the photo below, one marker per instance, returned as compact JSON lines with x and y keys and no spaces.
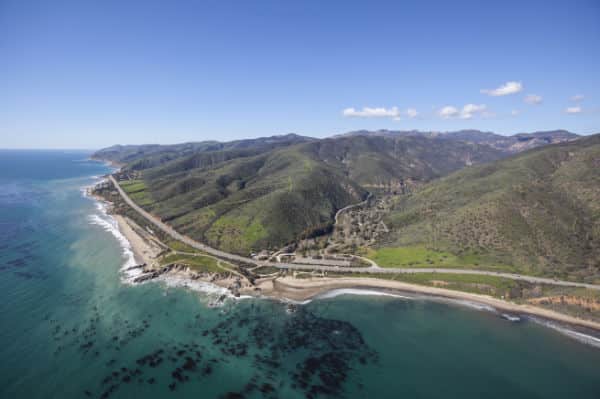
{"x":304,"y":289}
{"x":143,"y":252}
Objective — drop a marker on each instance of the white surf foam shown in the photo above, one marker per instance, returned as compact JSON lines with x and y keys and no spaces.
{"x":344,"y":291}
{"x":577,"y":335}
{"x":290,"y":301}
{"x":358,"y":291}
{"x":110,"y":225}
{"x":210,"y":291}
{"x":175,"y":281}
{"x":86,"y":189}
{"x":510,"y":317}
{"x":103,"y":219}
{"x":472,"y":305}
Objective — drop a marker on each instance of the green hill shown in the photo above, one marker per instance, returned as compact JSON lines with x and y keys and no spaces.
{"x":537,"y":212}
{"x":264,"y":193}
{"x":374,"y":161}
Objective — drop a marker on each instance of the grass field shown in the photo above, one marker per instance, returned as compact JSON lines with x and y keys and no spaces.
{"x":199,"y":263}
{"x":137,"y":190}
{"x":181,"y":246}
{"x":421,"y":256}
{"x":132,"y":186}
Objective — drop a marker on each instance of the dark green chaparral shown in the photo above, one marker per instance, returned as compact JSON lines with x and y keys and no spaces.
{"x":263,"y":193}
{"x":538,"y":211}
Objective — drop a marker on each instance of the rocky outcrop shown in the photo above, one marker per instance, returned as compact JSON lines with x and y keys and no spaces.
{"x":154,"y":273}
{"x":234,"y":282}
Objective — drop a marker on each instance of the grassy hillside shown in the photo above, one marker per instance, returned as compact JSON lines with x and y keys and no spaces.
{"x":242,"y":203}
{"x":378,"y":160}
{"x":264,"y":193}
{"x":537,"y":212}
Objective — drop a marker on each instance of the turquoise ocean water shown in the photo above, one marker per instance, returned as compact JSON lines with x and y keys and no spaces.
{"x":69,"y":328}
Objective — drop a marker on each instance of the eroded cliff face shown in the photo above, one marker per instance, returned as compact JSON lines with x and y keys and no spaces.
{"x":586,"y":303}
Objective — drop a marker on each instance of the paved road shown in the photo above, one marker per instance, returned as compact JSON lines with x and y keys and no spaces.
{"x":170,"y":231}
{"x":371,"y":270}
{"x":381,"y":270}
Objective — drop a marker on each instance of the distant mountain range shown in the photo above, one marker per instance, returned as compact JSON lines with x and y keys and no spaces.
{"x":156,"y":153}
{"x":512,"y":144}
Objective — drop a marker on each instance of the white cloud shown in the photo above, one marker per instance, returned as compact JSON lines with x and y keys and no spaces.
{"x":368,"y":112}
{"x":411,"y":112}
{"x":448,"y":112}
{"x":533,"y":99}
{"x":467,"y":112}
{"x":504,"y":90}
{"x":573,"y":110}
{"x":515,"y":112}
{"x":577,"y":97}
{"x":470,"y":110}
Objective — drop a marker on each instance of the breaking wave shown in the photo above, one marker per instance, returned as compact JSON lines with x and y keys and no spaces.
{"x":569,"y":332}
{"x":359,"y":292}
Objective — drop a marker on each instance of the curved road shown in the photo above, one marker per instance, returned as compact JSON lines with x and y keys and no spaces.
{"x":352,"y":206}
{"x":371,"y":270}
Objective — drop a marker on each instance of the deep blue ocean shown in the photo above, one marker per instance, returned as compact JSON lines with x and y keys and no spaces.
{"x":70,"y":328}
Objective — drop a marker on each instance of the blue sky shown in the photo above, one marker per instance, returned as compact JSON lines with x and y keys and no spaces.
{"x":83,"y":74}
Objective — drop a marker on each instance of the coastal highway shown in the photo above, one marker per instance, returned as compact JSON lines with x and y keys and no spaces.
{"x":370,"y":270}
{"x":386,"y":270}
{"x":174,"y":234}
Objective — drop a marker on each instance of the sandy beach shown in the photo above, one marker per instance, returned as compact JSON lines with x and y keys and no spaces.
{"x":301,"y":289}
{"x":145,"y":249}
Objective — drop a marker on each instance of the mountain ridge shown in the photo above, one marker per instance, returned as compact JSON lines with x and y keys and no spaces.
{"x":512,"y":144}
{"x":267,"y":192}
{"x":537,"y":211}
